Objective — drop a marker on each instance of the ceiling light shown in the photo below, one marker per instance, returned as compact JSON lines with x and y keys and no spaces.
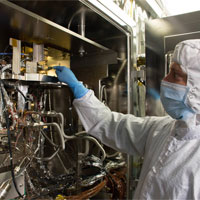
{"x":113,"y":11}
{"x":176,"y":7}
{"x":153,"y":4}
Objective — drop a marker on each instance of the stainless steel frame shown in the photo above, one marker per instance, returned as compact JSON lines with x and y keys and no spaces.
{"x":131,"y":62}
{"x":40,"y":29}
{"x":31,"y":27}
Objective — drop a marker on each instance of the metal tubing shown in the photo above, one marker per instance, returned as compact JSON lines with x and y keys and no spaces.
{"x":50,"y":157}
{"x":81,"y":26}
{"x":98,"y":144}
{"x":80,"y":135}
{"x":58,"y":115}
{"x":57,"y":128}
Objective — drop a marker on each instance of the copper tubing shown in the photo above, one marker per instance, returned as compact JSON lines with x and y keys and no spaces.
{"x":88,"y":193}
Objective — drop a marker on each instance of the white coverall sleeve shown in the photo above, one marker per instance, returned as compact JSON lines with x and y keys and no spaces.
{"x":124,"y":133}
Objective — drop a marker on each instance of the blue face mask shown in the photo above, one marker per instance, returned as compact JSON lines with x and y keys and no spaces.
{"x":173,"y":99}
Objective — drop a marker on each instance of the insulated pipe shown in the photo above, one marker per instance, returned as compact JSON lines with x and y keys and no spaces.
{"x":98,"y":144}
{"x":48,"y":158}
{"x":54,"y":114}
{"x":87,"y":148}
{"x":80,"y":135}
{"x":106,"y":155}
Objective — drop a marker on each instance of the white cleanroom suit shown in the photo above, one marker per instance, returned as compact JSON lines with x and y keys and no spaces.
{"x":171,"y":148}
{"x":171,"y":154}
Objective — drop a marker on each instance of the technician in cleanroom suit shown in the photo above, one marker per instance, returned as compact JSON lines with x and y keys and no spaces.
{"x":170,"y":145}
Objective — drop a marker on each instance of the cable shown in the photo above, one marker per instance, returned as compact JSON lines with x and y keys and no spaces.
{"x":14,"y":87}
{"x":10,"y":150}
{"x":88,"y":194}
{"x":18,"y":90}
{"x":10,"y":54}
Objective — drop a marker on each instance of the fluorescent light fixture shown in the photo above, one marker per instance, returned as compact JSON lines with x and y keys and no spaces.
{"x":113,"y":11}
{"x":176,"y":7}
{"x":153,"y":4}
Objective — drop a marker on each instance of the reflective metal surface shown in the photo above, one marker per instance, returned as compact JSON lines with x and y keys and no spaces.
{"x":68,"y":15}
{"x":31,"y":27}
{"x":105,"y":55}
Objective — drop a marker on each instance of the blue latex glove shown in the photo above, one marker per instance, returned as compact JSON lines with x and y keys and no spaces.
{"x":67,"y":76}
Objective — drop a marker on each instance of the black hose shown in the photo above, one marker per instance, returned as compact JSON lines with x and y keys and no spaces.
{"x":18,"y":90}
{"x":10,"y":149}
{"x":15,"y":88}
